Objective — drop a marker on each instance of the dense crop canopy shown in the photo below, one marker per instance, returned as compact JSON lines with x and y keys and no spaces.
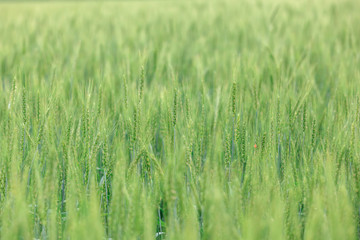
{"x":180,"y":120}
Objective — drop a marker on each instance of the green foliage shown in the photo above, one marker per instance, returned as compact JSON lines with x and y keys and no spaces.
{"x":180,"y":120}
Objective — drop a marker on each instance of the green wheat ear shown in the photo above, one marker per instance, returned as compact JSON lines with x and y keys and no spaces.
{"x":233,"y":98}
{"x":175,"y":104}
{"x":24,"y":105}
{"x":141,"y":84}
{"x":304,"y":118}
{"x":313,"y":135}
{"x":125,"y":91}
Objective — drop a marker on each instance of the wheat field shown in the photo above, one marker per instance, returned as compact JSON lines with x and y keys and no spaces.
{"x":180,"y":119}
